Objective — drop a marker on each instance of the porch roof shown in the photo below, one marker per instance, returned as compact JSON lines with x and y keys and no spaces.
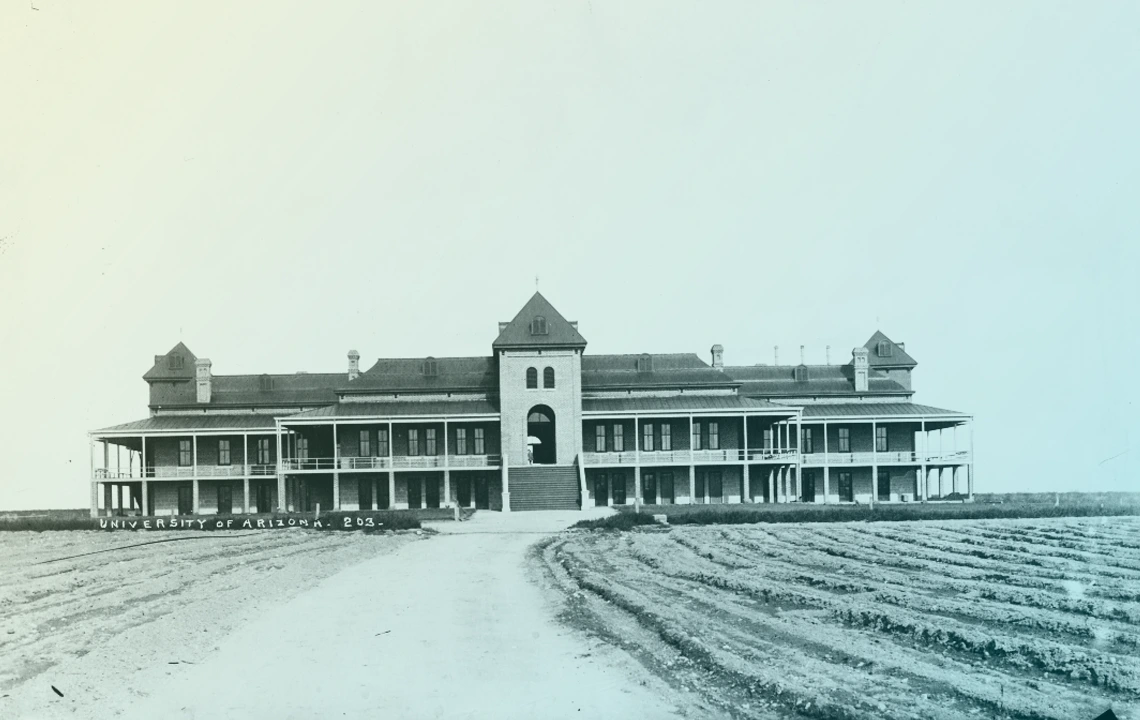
{"x":426,"y":408}
{"x":877,"y":409}
{"x":679,"y":403}
{"x":168,"y":423}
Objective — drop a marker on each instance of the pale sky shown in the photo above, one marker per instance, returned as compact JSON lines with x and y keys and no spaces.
{"x":275,"y":183}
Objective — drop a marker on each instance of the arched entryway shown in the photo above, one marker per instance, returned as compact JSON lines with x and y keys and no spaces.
{"x":540,"y":428}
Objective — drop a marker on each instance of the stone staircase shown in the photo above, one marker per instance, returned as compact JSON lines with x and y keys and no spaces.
{"x":544,"y":487}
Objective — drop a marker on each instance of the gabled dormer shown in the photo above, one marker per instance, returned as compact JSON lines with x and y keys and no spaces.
{"x":889,"y":358}
{"x":172,"y":377}
{"x":538,"y":325}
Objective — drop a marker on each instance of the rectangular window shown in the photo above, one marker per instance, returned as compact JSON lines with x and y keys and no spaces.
{"x":460,"y":441}
{"x":846,"y":492}
{"x":185,"y":454}
{"x":666,"y":436}
{"x":880,"y":438}
{"x":714,"y":436}
{"x":263,"y":453}
{"x":884,"y":485}
{"x":225,"y":500}
{"x":302,"y":447}
{"x":413,"y":441}
{"x":697,"y":444}
{"x":224,"y":452}
{"x":600,"y":439}
{"x":619,"y":438}
{"x":699,"y":486}
{"x":430,"y":441}
{"x":806,"y":441}
{"x":480,"y":448}
{"x":768,"y":438}
{"x":382,"y":442}
{"x":647,"y":437}
{"x":365,"y":443}
{"x":844,"y":439}
{"x":667,"y":488}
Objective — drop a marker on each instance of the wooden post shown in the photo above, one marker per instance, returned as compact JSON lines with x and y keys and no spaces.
{"x":281,"y":505}
{"x":826,"y":467}
{"x":746,"y":484}
{"x":194,"y":445}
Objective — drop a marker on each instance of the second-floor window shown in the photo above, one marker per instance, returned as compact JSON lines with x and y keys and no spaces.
{"x":600,"y":438}
{"x":480,"y":442}
{"x":880,"y":439}
{"x":666,"y":436}
{"x":619,"y":438}
{"x":413,"y":441}
{"x":531,"y":378}
{"x":224,"y":452}
{"x":429,"y":440}
{"x":548,"y":378}
{"x":647,"y":437}
{"x":263,"y":451}
{"x":302,"y":447}
{"x":365,"y":443}
{"x":460,"y":441}
{"x":382,"y":442}
{"x":767,"y":438}
{"x":844,"y":439}
{"x":185,"y":453}
{"x":714,"y":436}
{"x":697,"y":444}
{"x":806,"y":444}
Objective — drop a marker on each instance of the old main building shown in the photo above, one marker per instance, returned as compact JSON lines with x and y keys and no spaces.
{"x":537,"y":424}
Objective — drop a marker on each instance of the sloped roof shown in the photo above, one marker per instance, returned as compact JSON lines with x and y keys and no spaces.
{"x":195,"y":422}
{"x":780,"y":381}
{"x":874,"y":410}
{"x":559,"y":332}
{"x":897,"y":358}
{"x":293,"y":389}
{"x":679,"y":403}
{"x":397,"y":408}
{"x":668,"y":370}
{"x":161,"y":369}
{"x":453,"y":374}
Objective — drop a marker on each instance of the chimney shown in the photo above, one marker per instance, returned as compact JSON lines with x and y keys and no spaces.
{"x":353,"y":365}
{"x":827,"y":355}
{"x":859,"y":360}
{"x":717,"y":356}
{"x":802,"y":355}
{"x":204,"y":380}
{"x":902,"y":346}
{"x":777,"y":350}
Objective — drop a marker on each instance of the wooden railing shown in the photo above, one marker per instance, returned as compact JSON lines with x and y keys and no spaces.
{"x":882,"y":458}
{"x":398,"y":462}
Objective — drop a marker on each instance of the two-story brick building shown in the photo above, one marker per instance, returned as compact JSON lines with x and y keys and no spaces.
{"x":538,"y":423}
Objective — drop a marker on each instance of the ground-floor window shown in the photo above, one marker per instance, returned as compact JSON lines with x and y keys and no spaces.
{"x":364,"y":493}
{"x":884,"y":489}
{"x":649,"y":488}
{"x":263,"y":496}
{"x":431,"y":491}
{"x":667,"y":492}
{"x":185,"y":500}
{"x":463,"y":491}
{"x":808,"y":486}
{"x":415,"y":493}
{"x":384,"y":501}
{"x":601,"y":490}
{"x":846,"y":491}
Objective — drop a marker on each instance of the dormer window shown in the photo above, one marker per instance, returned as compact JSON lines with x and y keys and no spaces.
{"x":801,"y":374}
{"x":176,"y":362}
{"x":884,"y":348}
{"x":645,"y":363}
{"x":538,"y":326}
{"x":430,"y":367}
{"x":266,"y":383}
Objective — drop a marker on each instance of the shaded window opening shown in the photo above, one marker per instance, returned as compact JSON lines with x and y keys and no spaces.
{"x":531,"y":378}
{"x":548,"y":378}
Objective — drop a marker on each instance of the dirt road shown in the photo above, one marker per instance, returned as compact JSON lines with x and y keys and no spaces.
{"x":451,"y":627}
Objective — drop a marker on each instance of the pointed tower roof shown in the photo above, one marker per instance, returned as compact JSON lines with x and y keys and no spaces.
{"x":884,"y":352}
{"x":538,"y":324}
{"x":177,"y":364}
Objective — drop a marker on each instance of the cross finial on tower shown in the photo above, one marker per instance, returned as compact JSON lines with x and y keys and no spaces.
{"x":536,"y":283}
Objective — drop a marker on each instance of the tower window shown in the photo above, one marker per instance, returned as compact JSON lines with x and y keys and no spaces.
{"x":548,"y":378}
{"x":531,"y":379}
{"x":538,"y":326}
{"x":884,"y":348}
{"x":176,"y":362}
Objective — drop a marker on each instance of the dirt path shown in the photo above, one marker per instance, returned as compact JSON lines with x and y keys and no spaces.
{"x":452,"y":627}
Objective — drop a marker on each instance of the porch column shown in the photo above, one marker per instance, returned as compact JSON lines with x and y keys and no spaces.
{"x":771,"y":485}
{"x":941,"y":471}
{"x":194,"y":445}
{"x":954,"y":479}
{"x":108,"y":502}
{"x":799,"y":476}
{"x":245,"y":495}
{"x":106,"y":459}
{"x":145,"y":497}
{"x":94,"y":484}
{"x":747,"y":484}
{"x":692,"y":478}
{"x":280,"y":476}
{"x":245,"y":474}
{"x":375,"y":498}
{"x":636,"y":465}
{"x":970,"y":467}
{"x":922,"y":461}
{"x":391,"y":486}
{"x":506,"y":485}
{"x":336,"y":471}
{"x":446,"y":468}
{"x":826,"y":467}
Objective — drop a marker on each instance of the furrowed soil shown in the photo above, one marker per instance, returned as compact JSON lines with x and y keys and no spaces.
{"x":1019,"y":619}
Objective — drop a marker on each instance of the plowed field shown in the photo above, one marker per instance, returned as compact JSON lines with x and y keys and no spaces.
{"x":955,"y":619}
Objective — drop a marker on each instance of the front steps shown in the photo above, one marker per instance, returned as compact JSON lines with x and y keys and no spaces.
{"x":544,"y":487}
